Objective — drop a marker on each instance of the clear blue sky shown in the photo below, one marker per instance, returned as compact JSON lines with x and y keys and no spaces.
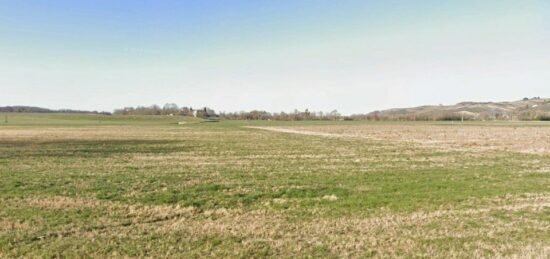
{"x":354,"y":56}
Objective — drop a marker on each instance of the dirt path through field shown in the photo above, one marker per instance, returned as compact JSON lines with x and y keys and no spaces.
{"x":530,"y":140}
{"x":302,"y":132}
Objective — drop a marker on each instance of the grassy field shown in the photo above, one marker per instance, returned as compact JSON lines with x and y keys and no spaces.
{"x":108,"y":186}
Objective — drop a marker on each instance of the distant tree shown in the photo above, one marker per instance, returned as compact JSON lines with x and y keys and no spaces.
{"x":334,"y":114}
{"x":185,"y":111}
{"x":170,"y":108}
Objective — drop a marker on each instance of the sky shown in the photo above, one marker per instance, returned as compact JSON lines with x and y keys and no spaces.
{"x":274,"y":55}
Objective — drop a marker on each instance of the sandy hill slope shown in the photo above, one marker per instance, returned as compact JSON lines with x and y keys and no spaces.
{"x":526,"y":109}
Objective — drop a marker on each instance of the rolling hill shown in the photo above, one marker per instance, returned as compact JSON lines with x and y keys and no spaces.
{"x":526,"y":109}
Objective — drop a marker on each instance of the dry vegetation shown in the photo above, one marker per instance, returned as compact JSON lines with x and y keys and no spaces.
{"x":223,"y":190}
{"x":468,"y":138}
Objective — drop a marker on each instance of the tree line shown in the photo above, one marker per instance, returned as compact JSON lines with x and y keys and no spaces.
{"x":33,"y":109}
{"x":296,"y":115}
{"x":167,"y":109}
{"x":174,"y":110}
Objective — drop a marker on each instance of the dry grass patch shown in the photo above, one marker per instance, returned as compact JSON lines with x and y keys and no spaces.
{"x":534,"y":140}
{"x":221,"y":190}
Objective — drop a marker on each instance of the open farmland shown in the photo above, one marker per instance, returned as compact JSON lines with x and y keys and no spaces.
{"x":97,"y":186}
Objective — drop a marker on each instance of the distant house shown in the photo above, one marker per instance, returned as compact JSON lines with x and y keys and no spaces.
{"x":206,"y":113}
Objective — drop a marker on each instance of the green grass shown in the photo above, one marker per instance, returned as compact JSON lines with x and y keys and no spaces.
{"x":62,"y":119}
{"x":94,"y":185}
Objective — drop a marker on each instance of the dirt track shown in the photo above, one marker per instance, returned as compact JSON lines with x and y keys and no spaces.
{"x":532,"y":140}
